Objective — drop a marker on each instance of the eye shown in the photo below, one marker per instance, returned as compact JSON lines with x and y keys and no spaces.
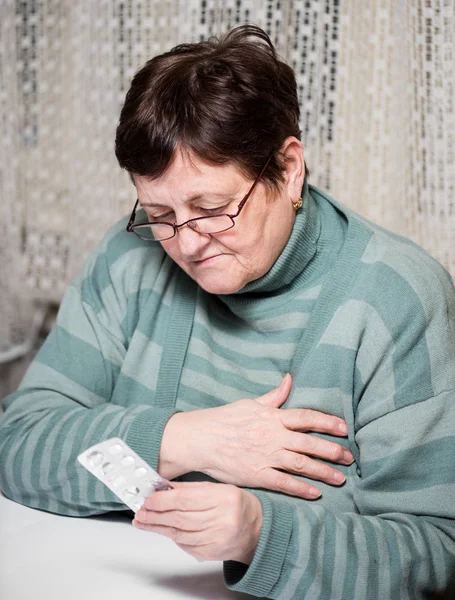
{"x":164,"y":217}
{"x":213,"y":211}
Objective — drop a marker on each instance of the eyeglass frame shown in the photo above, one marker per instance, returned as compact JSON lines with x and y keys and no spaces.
{"x":130,"y":226}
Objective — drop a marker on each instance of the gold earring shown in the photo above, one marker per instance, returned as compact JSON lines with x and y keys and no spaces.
{"x":297,"y":204}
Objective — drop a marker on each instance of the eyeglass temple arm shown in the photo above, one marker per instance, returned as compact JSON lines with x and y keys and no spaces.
{"x":240,"y":206}
{"x":132,"y":217}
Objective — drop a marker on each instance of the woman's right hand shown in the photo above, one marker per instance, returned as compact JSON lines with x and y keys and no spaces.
{"x":252,"y":443}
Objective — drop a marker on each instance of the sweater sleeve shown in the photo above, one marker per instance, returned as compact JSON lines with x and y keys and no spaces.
{"x":400,"y":540}
{"x":63,"y":405}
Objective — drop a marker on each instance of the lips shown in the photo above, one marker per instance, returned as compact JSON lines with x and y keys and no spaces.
{"x":205,"y":259}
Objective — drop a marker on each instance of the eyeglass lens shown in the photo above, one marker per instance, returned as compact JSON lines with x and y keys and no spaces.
{"x":163,"y":231}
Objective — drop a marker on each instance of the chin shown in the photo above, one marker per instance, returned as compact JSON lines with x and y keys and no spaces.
{"x":220,"y":278}
{"x":219,"y":283}
{"x":220,"y":287}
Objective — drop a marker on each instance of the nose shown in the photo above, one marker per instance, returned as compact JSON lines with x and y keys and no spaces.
{"x":192,"y":244}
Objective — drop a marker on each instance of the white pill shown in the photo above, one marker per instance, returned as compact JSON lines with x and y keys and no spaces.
{"x":95,"y":458}
{"x":118,"y":482}
{"x":107,"y":467}
{"x":140,"y":472}
{"x":115,"y":449}
{"x":127,"y":461}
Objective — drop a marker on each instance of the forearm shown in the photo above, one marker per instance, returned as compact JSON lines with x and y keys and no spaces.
{"x":318,"y":553}
{"x":41,"y":435}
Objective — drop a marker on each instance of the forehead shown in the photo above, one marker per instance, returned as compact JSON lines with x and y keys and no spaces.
{"x":188,"y":175}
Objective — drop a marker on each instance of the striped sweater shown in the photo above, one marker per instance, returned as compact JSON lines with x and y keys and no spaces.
{"x":363,"y":320}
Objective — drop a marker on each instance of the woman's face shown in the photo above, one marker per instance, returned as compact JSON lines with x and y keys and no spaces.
{"x":220,"y":263}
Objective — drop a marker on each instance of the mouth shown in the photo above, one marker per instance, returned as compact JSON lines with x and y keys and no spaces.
{"x":207,"y":260}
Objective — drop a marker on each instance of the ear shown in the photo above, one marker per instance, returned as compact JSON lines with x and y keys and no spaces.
{"x":292,"y":154}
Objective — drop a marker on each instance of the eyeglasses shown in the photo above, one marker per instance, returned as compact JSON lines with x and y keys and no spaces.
{"x":160,"y":231}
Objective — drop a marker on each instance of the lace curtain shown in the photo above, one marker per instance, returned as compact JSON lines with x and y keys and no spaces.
{"x":376,"y":82}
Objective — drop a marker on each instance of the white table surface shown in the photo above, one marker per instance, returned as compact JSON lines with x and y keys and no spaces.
{"x":46,"y":556}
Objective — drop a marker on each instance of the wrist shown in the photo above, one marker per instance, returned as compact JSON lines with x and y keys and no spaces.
{"x":170,"y":460}
{"x":176,"y":452}
{"x":254,"y":530}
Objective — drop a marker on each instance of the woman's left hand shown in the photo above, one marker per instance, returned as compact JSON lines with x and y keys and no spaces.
{"x":210,"y":521}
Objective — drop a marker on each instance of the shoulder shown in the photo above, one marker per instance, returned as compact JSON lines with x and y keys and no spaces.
{"x":398,"y":272}
{"x":119,"y":246}
{"x":390,"y":266}
{"x":122,"y":265}
{"x":400,"y":313}
{"x":408,"y":302}
{"x":388,"y":280}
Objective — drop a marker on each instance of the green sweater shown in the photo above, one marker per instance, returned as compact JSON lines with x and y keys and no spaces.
{"x":364,"y":321}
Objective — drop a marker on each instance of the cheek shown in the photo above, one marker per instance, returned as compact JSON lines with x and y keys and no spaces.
{"x":243,"y":248}
{"x":255,"y":245}
{"x":171,"y":248}
{"x":264,"y":244}
{"x":245,"y":240}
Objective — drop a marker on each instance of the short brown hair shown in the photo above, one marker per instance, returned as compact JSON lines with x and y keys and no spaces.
{"x":227,"y":99}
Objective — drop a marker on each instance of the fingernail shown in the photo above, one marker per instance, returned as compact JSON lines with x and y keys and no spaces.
{"x":314,"y":492}
{"x":347,"y":457}
{"x":339,"y":477}
{"x":343,"y":428}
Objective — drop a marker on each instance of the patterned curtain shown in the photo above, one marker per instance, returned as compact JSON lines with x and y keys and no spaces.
{"x":377,"y":88}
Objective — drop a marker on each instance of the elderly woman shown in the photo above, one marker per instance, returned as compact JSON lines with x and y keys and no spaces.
{"x":231,"y":272}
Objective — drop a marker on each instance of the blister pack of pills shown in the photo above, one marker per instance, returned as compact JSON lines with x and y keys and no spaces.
{"x":123,"y":471}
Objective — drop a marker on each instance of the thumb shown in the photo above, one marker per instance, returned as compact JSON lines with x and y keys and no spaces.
{"x":276,"y":397}
{"x":187,"y":484}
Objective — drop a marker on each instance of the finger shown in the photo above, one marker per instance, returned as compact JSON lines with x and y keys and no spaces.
{"x":306,"y":419}
{"x":201,"y":552}
{"x":303,"y":443}
{"x":188,"y":484}
{"x":188,"y":538}
{"x":276,"y":397}
{"x":185,"y":521}
{"x":184,"y":496}
{"x":300,"y":464}
{"x":287,"y":484}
